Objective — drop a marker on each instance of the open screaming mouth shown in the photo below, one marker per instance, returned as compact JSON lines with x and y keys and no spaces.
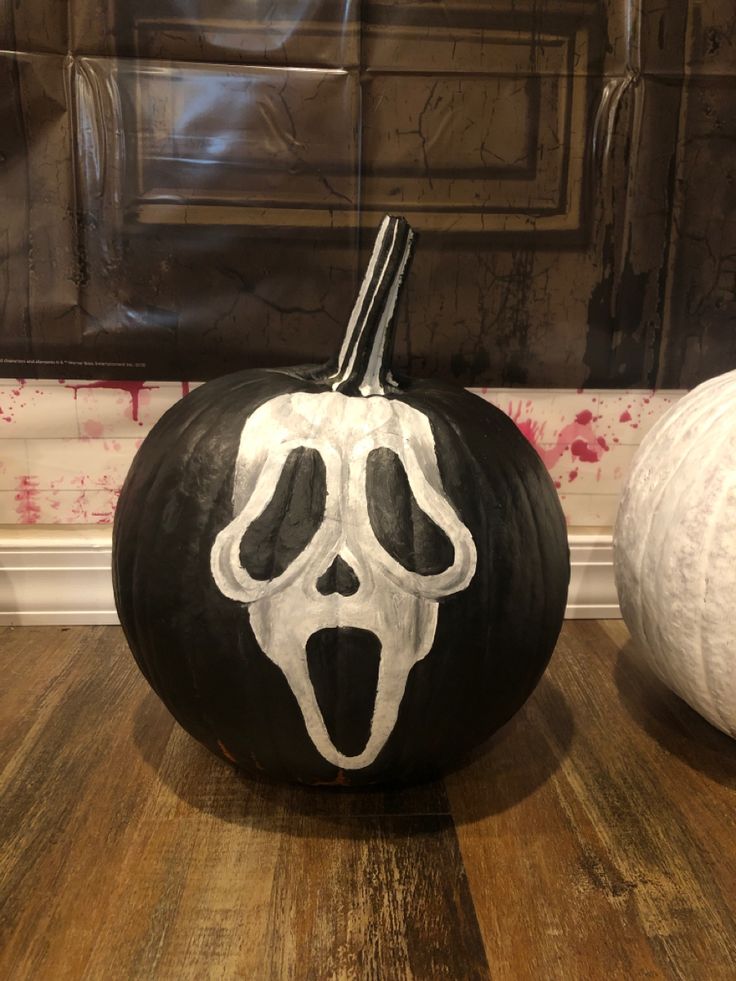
{"x":343,"y":667}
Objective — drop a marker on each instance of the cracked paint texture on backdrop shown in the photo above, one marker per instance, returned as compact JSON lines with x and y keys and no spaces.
{"x":185,"y":190}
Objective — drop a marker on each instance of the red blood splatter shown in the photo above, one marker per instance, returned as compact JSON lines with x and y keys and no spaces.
{"x":93,"y":428}
{"x":21,"y":381}
{"x":576,"y":436}
{"x":602,"y":442}
{"x":646,"y":401}
{"x":133,"y":388}
{"x":185,"y":389}
{"x":26,"y":495}
{"x":79,"y":507}
{"x":572,"y":475}
{"x":558,"y":483}
{"x":584,"y":417}
{"x":532,"y":430}
{"x":625,"y":416}
{"x":615,"y":439}
{"x":579,"y":391}
{"x":584,"y":451}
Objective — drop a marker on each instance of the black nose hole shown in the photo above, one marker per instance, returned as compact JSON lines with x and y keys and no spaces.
{"x":339,"y":578}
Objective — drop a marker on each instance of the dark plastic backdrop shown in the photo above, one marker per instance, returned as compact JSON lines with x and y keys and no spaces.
{"x":190,"y":186}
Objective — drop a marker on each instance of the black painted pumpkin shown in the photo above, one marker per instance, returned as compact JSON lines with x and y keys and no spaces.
{"x":335,"y":576}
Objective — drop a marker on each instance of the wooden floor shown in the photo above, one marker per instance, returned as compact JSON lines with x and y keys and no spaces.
{"x":595,"y":838}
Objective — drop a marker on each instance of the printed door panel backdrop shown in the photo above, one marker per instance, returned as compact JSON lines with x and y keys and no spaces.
{"x":187,"y":187}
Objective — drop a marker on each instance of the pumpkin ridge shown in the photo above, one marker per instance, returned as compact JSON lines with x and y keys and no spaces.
{"x":121,"y":516}
{"x":673,"y":550}
{"x":163,"y":430}
{"x":705,"y":663}
{"x":137,"y":613}
{"x":457,"y":410}
{"x":706,"y":411}
{"x":682,"y":461}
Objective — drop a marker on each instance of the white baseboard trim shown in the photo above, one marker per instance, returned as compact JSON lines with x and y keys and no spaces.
{"x":56,"y":575}
{"x":592,"y":593}
{"x":61,"y":575}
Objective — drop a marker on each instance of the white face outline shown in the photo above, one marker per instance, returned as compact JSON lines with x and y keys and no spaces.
{"x":399,"y":606}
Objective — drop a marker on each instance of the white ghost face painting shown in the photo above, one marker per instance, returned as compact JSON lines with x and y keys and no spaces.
{"x":336,"y":566}
{"x":335,"y":573}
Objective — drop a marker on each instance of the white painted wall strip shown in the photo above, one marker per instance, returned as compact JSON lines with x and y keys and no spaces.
{"x":65,"y":447}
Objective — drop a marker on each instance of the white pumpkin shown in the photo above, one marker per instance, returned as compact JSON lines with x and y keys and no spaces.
{"x":675,"y":550}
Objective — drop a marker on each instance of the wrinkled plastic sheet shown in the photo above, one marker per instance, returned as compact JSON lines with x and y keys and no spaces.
{"x":190,"y":187}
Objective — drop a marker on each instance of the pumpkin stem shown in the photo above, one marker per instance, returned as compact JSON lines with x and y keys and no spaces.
{"x":364,"y":362}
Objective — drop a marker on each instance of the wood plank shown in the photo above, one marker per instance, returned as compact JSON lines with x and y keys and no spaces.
{"x":616,"y":867}
{"x":69,"y":797}
{"x":597,"y":832}
{"x":33,"y":663}
{"x":128,"y":851}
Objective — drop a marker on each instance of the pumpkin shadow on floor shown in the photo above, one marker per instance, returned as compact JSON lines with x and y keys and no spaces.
{"x":510,"y":767}
{"x":670,"y":721}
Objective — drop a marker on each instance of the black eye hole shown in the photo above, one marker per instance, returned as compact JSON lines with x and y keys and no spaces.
{"x":290,"y":519}
{"x":401,"y":527}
